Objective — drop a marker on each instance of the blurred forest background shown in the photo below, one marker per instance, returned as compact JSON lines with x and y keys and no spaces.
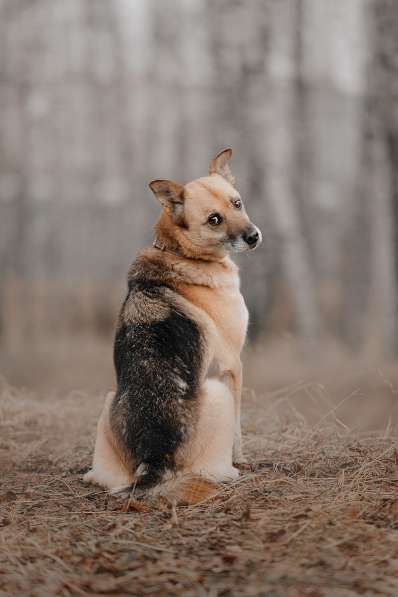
{"x":97,"y":97}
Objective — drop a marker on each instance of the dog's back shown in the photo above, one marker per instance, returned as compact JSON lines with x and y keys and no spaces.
{"x":158,"y":357}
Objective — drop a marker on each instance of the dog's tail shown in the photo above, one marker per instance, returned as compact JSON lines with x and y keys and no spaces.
{"x":182,"y":490}
{"x":187,"y":490}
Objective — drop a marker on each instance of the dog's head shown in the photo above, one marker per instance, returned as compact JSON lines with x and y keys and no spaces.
{"x":206,"y":217}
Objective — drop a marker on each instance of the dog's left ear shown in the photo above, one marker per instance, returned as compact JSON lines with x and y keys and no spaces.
{"x":171,"y":195}
{"x":219,"y":165}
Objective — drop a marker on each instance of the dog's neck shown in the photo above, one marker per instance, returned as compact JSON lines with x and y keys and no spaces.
{"x":188,"y":265}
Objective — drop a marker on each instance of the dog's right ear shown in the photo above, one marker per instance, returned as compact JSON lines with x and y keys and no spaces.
{"x":171,"y":195}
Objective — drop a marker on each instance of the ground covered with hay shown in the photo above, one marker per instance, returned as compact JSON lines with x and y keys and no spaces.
{"x":316,"y":513}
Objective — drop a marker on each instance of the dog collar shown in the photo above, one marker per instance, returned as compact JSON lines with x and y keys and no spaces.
{"x":157,"y":244}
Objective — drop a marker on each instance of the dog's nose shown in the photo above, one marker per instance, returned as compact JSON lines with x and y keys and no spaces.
{"x":251,"y":237}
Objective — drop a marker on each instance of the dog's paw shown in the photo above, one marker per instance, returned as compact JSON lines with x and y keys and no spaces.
{"x":128,"y":492}
{"x":238,"y":457}
{"x":89,"y":477}
{"x":123,"y":493}
{"x":233,"y":474}
{"x":240,"y":461}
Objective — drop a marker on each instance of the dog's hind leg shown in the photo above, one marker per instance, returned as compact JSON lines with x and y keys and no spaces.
{"x":211,"y":449}
{"x":108,"y":469}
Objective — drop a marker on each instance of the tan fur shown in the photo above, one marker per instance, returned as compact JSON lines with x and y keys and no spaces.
{"x":187,"y":490}
{"x":144,"y":312}
{"x":110,"y":468}
{"x":195,"y":490}
{"x":195,"y":269}
{"x":225,"y":317}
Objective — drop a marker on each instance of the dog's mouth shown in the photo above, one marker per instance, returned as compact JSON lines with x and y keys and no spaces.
{"x":249,"y":240}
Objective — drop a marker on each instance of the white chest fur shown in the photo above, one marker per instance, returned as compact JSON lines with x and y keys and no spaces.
{"x":232,"y":317}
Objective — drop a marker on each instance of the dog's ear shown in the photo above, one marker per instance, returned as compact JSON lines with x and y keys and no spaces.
{"x":171,"y":195}
{"x":219,"y":165}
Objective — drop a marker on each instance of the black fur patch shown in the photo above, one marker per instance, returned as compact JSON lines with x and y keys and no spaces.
{"x":158,"y":366}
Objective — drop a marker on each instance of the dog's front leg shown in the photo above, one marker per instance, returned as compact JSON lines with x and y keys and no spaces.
{"x":230,"y":371}
{"x":232,"y":376}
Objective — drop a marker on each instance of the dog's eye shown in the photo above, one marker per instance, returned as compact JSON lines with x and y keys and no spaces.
{"x":237,"y":203}
{"x":214,"y":219}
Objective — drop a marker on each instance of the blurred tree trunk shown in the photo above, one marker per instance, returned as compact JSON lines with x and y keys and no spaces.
{"x":285,"y":155}
{"x":4,"y":249}
{"x":356,"y":270}
{"x":369,"y":310}
{"x":303,"y":134}
{"x":385,"y":79}
{"x":382,"y":122}
{"x":18,"y":82}
{"x":330,"y":42}
{"x":164,"y":130}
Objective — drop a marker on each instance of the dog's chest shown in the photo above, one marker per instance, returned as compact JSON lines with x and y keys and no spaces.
{"x":227,"y":309}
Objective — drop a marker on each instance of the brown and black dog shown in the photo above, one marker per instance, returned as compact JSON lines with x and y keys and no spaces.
{"x":183,"y":314}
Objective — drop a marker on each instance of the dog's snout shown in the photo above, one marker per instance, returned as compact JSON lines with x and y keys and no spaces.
{"x":251,"y":237}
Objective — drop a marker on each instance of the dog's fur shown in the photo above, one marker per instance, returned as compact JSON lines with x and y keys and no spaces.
{"x":183,"y":313}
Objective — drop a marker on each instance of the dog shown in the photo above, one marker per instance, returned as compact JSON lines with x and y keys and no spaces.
{"x":170,"y":427}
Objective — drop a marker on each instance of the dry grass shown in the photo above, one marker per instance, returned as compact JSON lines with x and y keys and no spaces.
{"x":316,"y":514}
